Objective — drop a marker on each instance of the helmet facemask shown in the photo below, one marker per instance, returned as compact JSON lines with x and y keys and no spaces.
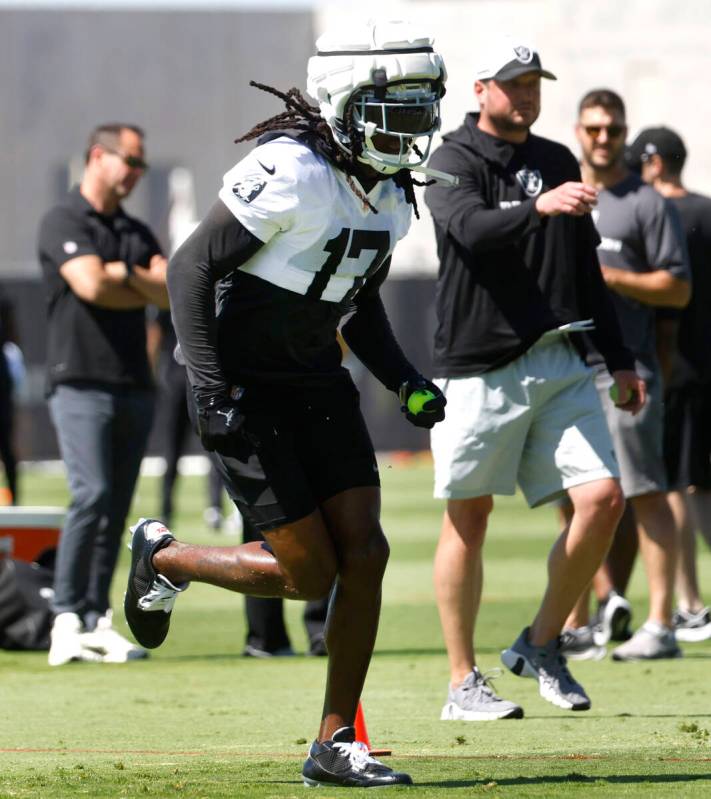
{"x":404,"y":114}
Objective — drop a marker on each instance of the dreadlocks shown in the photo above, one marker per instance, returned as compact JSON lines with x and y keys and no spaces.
{"x":302,"y":116}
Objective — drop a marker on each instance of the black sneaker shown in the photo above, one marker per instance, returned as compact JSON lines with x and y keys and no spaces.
{"x":150,"y":596}
{"x":613,"y":618}
{"x":345,"y":762}
{"x":317,"y":646}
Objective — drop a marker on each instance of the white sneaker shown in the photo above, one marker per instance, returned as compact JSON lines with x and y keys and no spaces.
{"x":109,"y":644}
{"x":65,"y":641}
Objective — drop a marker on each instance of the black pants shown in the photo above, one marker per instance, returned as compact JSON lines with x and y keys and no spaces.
{"x":7,"y":413}
{"x":173,"y":413}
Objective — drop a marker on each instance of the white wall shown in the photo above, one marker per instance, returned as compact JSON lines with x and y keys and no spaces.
{"x":655,"y":53}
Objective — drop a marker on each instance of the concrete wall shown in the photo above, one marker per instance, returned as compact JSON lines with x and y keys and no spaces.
{"x":182,"y":75}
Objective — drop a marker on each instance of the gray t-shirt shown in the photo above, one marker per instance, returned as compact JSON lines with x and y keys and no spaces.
{"x":641,"y":232}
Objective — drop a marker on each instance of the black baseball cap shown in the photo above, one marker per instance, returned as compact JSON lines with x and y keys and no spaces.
{"x":508,"y":58}
{"x":661,"y":141}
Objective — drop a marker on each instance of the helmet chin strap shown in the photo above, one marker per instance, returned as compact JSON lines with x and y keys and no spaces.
{"x":441,"y":177}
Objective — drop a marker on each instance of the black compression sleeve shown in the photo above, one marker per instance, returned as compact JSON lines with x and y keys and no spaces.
{"x":217,"y":247}
{"x":369,"y":335}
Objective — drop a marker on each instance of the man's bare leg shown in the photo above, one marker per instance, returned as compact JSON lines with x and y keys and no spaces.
{"x":576,"y":555}
{"x":458,"y":574}
{"x":658,"y":546}
{"x":352,"y":518}
{"x":252,"y":569}
{"x":579,"y":616}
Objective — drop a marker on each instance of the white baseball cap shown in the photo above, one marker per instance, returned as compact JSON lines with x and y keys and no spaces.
{"x":507,"y":58}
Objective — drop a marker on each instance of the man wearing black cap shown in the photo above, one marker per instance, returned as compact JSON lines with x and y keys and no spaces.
{"x":518,"y":277}
{"x":659,"y":155}
{"x":645,"y":266}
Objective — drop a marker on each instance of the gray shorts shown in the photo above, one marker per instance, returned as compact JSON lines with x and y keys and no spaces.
{"x":537,"y":422}
{"x":637,"y":439}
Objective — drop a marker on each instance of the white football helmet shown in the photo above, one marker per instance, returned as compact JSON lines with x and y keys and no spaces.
{"x":391,"y":77}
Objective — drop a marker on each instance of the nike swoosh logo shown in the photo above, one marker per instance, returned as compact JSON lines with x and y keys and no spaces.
{"x":266,"y":168}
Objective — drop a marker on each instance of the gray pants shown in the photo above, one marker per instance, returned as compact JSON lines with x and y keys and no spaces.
{"x":102,"y":438}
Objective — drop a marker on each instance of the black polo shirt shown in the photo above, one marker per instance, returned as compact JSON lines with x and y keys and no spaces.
{"x":87,"y":343}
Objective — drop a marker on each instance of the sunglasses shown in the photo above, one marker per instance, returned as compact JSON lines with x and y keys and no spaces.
{"x":131,"y":161}
{"x":613,"y":131}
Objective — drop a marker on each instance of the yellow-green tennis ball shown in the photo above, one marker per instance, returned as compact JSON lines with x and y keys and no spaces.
{"x":615,"y":395}
{"x":417,"y":400}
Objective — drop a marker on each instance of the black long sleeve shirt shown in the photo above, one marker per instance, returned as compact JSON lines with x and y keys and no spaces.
{"x":506,"y":274}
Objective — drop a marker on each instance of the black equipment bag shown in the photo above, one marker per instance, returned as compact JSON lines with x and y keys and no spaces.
{"x":25,"y":614}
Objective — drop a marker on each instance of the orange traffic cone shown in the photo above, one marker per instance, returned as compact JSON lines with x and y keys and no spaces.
{"x":361,"y":734}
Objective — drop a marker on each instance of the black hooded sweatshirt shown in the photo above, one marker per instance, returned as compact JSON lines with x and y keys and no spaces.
{"x":506,"y":274}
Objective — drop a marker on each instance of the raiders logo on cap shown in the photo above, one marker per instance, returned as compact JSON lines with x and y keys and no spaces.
{"x":523,"y":54}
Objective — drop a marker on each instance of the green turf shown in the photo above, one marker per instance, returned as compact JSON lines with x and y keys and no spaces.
{"x":198,"y":720}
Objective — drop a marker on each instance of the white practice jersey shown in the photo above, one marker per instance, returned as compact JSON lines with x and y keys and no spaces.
{"x":329,"y":241}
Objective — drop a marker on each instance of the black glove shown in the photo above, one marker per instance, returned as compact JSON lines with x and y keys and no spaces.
{"x":432,"y":410}
{"x":219,"y":422}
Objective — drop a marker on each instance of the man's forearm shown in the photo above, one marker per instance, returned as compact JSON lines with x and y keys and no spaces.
{"x":651,"y":288}
{"x":149,"y":285}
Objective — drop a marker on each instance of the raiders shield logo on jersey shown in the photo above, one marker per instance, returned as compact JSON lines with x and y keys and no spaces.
{"x":248,"y":188}
{"x":531,"y":181}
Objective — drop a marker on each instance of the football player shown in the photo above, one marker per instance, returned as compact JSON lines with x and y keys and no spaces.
{"x":295,"y":249}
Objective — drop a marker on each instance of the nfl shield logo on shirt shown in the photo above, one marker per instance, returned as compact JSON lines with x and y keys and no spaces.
{"x":248,"y":188}
{"x":531,"y":181}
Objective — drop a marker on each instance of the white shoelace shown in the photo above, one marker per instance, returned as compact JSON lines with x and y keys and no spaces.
{"x":358,"y":754}
{"x":160,"y":596}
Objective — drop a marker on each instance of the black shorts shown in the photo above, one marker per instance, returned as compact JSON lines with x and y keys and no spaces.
{"x":687,"y":436}
{"x":301,"y":450}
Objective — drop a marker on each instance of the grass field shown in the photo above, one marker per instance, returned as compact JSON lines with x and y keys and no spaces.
{"x":198,"y":720}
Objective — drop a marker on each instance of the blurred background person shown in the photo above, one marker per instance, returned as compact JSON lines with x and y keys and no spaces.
{"x":659,"y":154}
{"x":11,"y":372}
{"x":644,"y":264}
{"x":101,"y":268}
{"x":172,"y":404}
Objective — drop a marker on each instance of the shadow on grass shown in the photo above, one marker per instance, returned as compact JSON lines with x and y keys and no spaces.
{"x":556,"y":779}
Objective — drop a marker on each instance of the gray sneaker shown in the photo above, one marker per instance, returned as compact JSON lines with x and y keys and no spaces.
{"x":475,"y":700}
{"x":547,"y":665}
{"x":579,"y":644}
{"x":651,"y":642}
{"x":692,"y":627}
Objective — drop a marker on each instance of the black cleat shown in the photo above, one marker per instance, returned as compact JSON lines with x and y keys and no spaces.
{"x":344,"y":762}
{"x":150,"y":596}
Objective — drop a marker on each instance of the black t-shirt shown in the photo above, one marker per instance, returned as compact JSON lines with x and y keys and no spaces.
{"x":88,"y":343}
{"x":506,"y":274}
{"x":692,"y":360}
